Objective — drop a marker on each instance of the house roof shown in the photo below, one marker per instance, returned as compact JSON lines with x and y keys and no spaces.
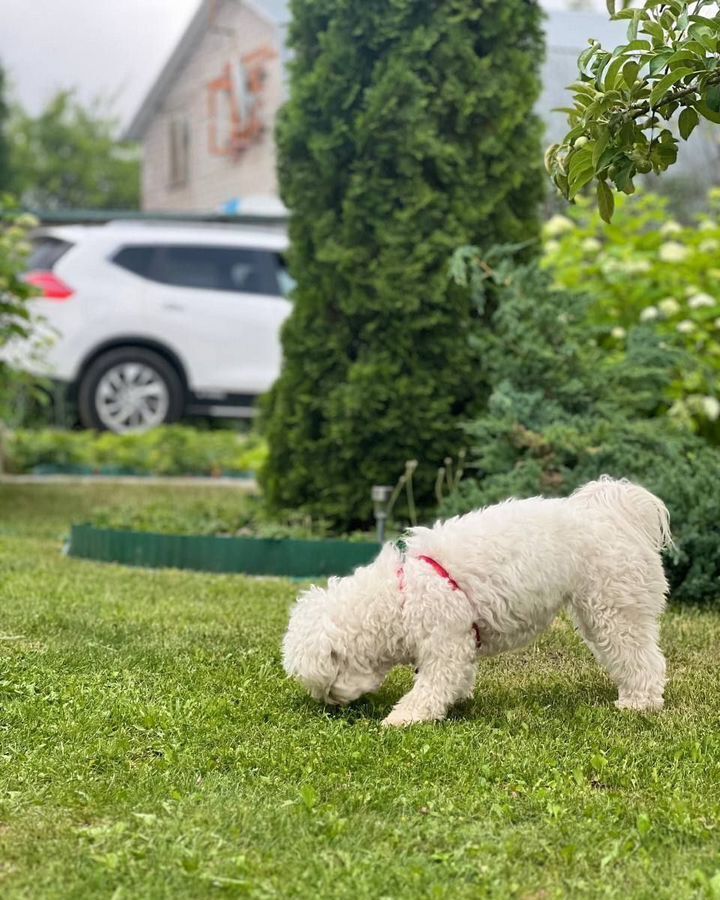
{"x":567,"y":34}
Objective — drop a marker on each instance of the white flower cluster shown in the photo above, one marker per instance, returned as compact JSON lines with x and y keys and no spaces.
{"x":669,"y":306}
{"x":711,"y":407}
{"x":557,"y":225}
{"x":701,"y":301}
{"x":673,"y":252}
{"x":626,"y":266}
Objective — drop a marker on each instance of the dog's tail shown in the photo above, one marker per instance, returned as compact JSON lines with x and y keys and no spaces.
{"x":640,"y":509}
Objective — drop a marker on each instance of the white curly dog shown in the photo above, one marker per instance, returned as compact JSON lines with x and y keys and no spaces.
{"x":489,"y":581}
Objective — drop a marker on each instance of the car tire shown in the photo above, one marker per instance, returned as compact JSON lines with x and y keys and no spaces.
{"x":130,"y":389}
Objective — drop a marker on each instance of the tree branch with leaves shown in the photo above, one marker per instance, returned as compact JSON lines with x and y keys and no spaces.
{"x":631,"y":103}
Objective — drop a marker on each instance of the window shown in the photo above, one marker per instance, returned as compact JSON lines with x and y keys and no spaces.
{"x":136,"y":259}
{"x":178,"y":152}
{"x":234,"y":269}
{"x":46,"y":252}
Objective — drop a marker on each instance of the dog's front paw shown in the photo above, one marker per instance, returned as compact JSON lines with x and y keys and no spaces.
{"x":397,"y":719}
{"x":400,"y":718}
{"x":640,"y":702}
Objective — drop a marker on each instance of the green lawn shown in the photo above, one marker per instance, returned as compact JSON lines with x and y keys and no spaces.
{"x":151,"y":747}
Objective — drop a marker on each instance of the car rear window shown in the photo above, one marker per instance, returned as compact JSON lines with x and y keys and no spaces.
{"x":46,"y":253}
{"x":234,"y":269}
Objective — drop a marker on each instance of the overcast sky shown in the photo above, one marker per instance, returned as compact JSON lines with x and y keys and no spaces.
{"x":101,"y":47}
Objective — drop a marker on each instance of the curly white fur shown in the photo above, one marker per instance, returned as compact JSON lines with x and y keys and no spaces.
{"x":517,"y":564}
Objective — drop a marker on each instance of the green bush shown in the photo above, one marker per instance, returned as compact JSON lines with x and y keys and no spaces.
{"x":564,"y":410}
{"x":408,"y":132}
{"x":14,"y":291}
{"x":225,"y":513}
{"x":645,"y":267}
{"x":679,"y":467}
{"x":170,"y":450}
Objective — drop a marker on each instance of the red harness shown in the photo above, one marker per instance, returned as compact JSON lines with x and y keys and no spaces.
{"x":443,"y":573}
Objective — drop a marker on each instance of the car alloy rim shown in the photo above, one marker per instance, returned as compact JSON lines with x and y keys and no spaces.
{"x":131,"y":397}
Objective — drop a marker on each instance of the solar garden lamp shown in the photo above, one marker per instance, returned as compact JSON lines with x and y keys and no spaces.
{"x":380,"y":494}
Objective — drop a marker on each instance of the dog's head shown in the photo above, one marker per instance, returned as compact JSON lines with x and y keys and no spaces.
{"x":326,"y":647}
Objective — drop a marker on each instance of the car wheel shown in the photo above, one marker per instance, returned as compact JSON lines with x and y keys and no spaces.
{"x":130,"y":389}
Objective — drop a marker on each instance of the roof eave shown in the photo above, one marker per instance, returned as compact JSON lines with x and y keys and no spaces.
{"x":140,"y":122}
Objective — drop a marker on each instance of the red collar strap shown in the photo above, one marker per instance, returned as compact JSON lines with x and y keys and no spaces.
{"x":443,"y":573}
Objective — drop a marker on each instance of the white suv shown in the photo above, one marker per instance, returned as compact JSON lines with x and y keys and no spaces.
{"x":150,"y":322}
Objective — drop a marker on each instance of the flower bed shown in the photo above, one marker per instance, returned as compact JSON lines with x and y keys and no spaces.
{"x":170,"y":450}
{"x":647,"y":269}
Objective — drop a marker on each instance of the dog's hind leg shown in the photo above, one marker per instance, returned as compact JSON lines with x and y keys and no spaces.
{"x":445,"y":675}
{"x":624,"y":639}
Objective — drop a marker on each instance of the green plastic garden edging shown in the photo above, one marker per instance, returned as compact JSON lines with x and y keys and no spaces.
{"x":251,"y":556}
{"x":119,"y":471}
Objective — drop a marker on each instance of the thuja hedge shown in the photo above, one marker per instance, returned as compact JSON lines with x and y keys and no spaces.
{"x":408,"y":132}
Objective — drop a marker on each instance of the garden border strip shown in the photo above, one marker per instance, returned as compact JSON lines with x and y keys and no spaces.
{"x":249,"y":556}
{"x":120,"y":472}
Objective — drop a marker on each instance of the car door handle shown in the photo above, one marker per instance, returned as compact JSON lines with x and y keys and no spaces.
{"x":173,"y":307}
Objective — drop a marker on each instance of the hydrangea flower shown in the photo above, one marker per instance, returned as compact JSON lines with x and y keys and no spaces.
{"x":671,"y":227}
{"x":700,"y":301}
{"x":686,"y":326}
{"x":649,"y":314}
{"x":672,"y":251}
{"x":557,"y":225}
{"x":669,"y":306}
{"x":635,"y":266}
{"x":711,"y":407}
{"x":552,"y":247}
{"x":591,"y":245}
{"x":709,"y":246}
{"x":618,"y":332}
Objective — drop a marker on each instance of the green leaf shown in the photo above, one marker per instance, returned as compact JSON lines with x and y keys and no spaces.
{"x":629,"y":71}
{"x":634,"y":46}
{"x":606,"y":201}
{"x":707,"y":113}
{"x":643,"y":824}
{"x":600,"y":145}
{"x":587,"y":55}
{"x":550,"y":154}
{"x":580,"y":170}
{"x":633,"y":27}
{"x":308,"y":795}
{"x":654,"y":29}
{"x":611,"y":75}
{"x":666,"y":82}
{"x":659,"y":61}
{"x":704,"y":36}
{"x":712,"y":97}
{"x":687,"y":122}
{"x":687,"y":56}
{"x":610,"y":7}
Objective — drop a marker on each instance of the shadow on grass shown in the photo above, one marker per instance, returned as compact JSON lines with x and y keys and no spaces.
{"x":491,"y":705}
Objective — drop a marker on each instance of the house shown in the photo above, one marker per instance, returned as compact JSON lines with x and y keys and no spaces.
{"x":206,"y":126}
